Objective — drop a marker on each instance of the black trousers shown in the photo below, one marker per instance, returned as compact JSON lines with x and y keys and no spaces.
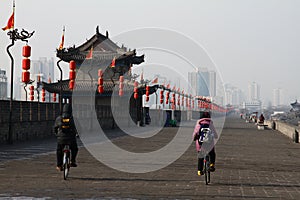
{"x":60,"y":154}
{"x":212,"y":155}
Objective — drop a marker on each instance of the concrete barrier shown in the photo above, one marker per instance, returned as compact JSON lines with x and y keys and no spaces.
{"x":289,"y":130}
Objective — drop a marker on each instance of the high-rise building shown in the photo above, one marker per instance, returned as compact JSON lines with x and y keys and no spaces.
{"x":277,"y":97}
{"x":42,"y":68}
{"x":234,"y":96}
{"x":212,"y":83}
{"x":3,"y":84}
{"x":253,"y":92}
{"x":202,"y":82}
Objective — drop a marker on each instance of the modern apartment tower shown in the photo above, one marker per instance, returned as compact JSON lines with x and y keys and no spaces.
{"x":3,"y":84}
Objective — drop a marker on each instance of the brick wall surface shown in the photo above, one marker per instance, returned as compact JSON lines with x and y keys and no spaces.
{"x":29,"y":119}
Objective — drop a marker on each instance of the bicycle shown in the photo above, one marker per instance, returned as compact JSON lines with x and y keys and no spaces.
{"x":66,"y":161}
{"x":206,"y":169}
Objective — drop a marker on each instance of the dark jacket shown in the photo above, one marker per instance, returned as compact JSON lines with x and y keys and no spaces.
{"x":64,"y":127}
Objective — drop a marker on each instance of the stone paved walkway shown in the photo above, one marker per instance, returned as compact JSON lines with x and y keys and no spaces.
{"x":251,"y":164}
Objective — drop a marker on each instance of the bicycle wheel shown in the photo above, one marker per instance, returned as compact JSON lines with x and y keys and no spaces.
{"x":66,"y":165}
{"x":205,"y":171}
{"x":208,"y":172}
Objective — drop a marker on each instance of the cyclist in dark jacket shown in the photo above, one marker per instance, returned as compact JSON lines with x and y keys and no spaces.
{"x":65,"y":132}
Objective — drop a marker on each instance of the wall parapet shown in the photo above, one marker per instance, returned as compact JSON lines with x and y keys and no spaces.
{"x":286,"y":129}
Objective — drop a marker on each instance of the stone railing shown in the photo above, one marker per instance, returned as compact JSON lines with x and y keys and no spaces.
{"x":286,"y":129}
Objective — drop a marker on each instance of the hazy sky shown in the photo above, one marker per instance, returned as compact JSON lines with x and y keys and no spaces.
{"x":249,"y":40}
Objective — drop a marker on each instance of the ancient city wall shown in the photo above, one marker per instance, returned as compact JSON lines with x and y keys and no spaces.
{"x":286,"y":129}
{"x":29,"y":119}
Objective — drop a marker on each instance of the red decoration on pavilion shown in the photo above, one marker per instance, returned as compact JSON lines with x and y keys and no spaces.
{"x":113,"y":62}
{"x":161,"y":97}
{"x":72,"y":74}
{"x":135,"y":90}
{"x":167,"y":97}
{"x":100,"y":81}
{"x":121,"y":86}
{"x":155,"y":80}
{"x":90,"y":54}
{"x":147,"y":93}
{"x":173,"y":101}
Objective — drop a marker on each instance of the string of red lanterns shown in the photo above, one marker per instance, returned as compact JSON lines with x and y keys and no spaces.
{"x":100,"y":81}
{"x":161,"y":97}
{"x":72,"y":74}
{"x":147,"y":93}
{"x":43,"y":95}
{"x":135,"y":90}
{"x":31,"y":93}
{"x":121,"y":86}
{"x":26,"y":52}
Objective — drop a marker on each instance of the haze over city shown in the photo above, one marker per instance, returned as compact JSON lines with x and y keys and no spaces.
{"x":249,"y":41}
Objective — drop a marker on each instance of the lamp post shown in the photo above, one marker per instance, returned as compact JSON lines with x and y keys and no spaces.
{"x":60,"y":86}
{"x":14,"y":35}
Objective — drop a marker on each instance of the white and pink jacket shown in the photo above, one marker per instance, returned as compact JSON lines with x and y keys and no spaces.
{"x":198,"y":126}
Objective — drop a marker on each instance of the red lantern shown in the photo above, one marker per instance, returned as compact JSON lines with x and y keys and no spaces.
{"x":43,"y":95}
{"x":54,"y":97}
{"x":100,"y":81}
{"x":72,"y":75}
{"x":72,"y":65}
{"x":121,"y":92}
{"x":100,"y":89}
{"x":135,"y":90}
{"x":31,"y":93}
{"x":147,"y":93}
{"x":25,"y":77}
{"x":26,"y":51}
{"x":167,"y":97}
{"x":121,"y":86}
{"x":161,"y":97}
{"x":71,"y":84}
{"x":100,"y":73}
{"x":26,"y":64}
{"x":173,"y":98}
